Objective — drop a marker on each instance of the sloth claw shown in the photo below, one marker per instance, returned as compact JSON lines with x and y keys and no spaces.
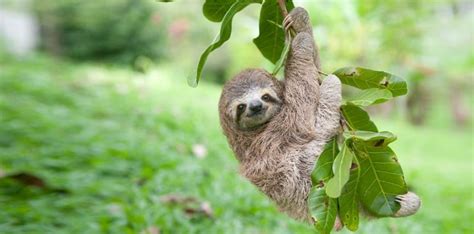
{"x":287,"y":22}
{"x":409,"y":204}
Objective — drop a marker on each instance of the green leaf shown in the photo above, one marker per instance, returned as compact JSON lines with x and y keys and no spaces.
{"x":224,"y":34}
{"x":281,"y":60}
{"x":374,"y":139}
{"x":341,"y":168}
{"x":323,"y":209}
{"x":371,"y":96}
{"x":363,"y":78}
{"x":215,"y":10}
{"x":271,"y":39}
{"x":323,"y":170}
{"x":357,"y":118}
{"x":348,"y":201}
{"x":289,"y":5}
{"x":381,"y":179}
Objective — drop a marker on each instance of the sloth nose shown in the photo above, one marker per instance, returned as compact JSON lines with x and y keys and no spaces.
{"x":255,"y":106}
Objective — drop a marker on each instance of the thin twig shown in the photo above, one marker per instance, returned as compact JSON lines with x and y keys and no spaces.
{"x":282,"y":5}
{"x":322,"y":73}
{"x":292,"y":33}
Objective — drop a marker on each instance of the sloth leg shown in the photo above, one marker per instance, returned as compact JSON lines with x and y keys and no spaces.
{"x":409,"y":204}
{"x":327,"y":119}
{"x":327,"y":114}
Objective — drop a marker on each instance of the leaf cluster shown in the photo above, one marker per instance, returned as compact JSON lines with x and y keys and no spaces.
{"x":270,"y":41}
{"x":365,"y":172}
{"x":361,"y":170}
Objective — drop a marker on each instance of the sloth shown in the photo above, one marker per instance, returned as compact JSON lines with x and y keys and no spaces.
{"x":277,"y":129}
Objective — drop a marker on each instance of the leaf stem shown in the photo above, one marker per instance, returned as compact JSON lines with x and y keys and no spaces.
{"x":322,"y":73}
{"x":284,"y":11}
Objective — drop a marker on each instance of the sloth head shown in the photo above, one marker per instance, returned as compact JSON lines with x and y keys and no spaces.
{"x":250,"y":100}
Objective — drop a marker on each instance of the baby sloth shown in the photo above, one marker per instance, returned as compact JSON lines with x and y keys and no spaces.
{"x":278,"y":129}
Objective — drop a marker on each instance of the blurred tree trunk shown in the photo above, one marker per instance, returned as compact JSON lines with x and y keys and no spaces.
{"x":418,"y":103}
{"x":459,"y":109}
{"x":49,"y":30}
{"x":419,"y":96}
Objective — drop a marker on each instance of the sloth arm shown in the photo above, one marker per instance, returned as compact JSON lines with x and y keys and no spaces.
{"x":274,"y":153}
{"x":298,"y":19}
{"x":327,"y":113}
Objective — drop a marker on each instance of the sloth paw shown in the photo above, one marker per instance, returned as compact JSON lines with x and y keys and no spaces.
{"x":297,"y":19}
{"x":409,"y":204}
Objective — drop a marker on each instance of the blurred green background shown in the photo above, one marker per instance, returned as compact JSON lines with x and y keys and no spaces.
{"x":99,"y":132}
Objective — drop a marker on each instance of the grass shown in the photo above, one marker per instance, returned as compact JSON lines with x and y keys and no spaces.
{"x":115,"y":149}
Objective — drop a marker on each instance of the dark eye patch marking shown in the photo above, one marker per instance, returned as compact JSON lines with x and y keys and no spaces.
{"x":268,"y":98}
{"x":240,"y":110}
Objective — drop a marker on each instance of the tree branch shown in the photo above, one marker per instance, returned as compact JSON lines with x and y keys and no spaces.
{"x":283,"y":10}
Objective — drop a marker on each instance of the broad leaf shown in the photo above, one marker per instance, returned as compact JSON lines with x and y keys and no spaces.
{"x":224,"y":34}
{"x":372,"y":96}
{"x":323,"y":170}
{"x":357,"y":118}
{"x":271,"y":39}
{"x":323,"y":209}
{"x":279,"y":64}
{"x":214,"y":10}
{"x":381,"y":179}
{"x":375,"y":139}
{"x":348,"y":201}
{"x":341,"y":169}
{"x":363,"y":78}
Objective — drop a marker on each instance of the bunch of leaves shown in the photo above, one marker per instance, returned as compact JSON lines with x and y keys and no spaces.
{"x":364,"y":171}
{"x":270,"y":41}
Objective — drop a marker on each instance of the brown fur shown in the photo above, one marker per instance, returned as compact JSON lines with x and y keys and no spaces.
{"x":279,"y":156}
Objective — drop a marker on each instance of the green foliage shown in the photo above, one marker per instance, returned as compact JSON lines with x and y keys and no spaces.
{"x":375,"y":139}
{"x":111,"y":30}
{"x":323,"y":209}
{"x":271,"y":40}
{"x":371,"y":96}
{"x":281,"y":61}
{"x":224,"y":35}
{"x":349,"y":200}
{"x":215,"y":10}
{"x":366,"y":171}
{"x":381,"y":176}
{"x":381,"y":179}
{"x":323,"y":170}
{"x":341,"y":169}
{"x":363,"y":78}
{"x":357,"y":119}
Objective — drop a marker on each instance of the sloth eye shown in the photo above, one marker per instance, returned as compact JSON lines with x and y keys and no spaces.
{"x":241,"y":107}
{"x":266,"y":97}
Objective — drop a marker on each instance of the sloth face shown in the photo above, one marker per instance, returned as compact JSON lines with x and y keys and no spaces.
{"x":252,"y":98}
{"x":255,"y":108}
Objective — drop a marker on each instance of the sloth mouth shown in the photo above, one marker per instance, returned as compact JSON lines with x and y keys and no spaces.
{"x":257,"y":113}
{"x":258,"y":126}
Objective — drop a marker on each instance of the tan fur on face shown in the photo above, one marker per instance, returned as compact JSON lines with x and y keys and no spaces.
{"x":237,"y":90}
{"x":244,"y":119}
